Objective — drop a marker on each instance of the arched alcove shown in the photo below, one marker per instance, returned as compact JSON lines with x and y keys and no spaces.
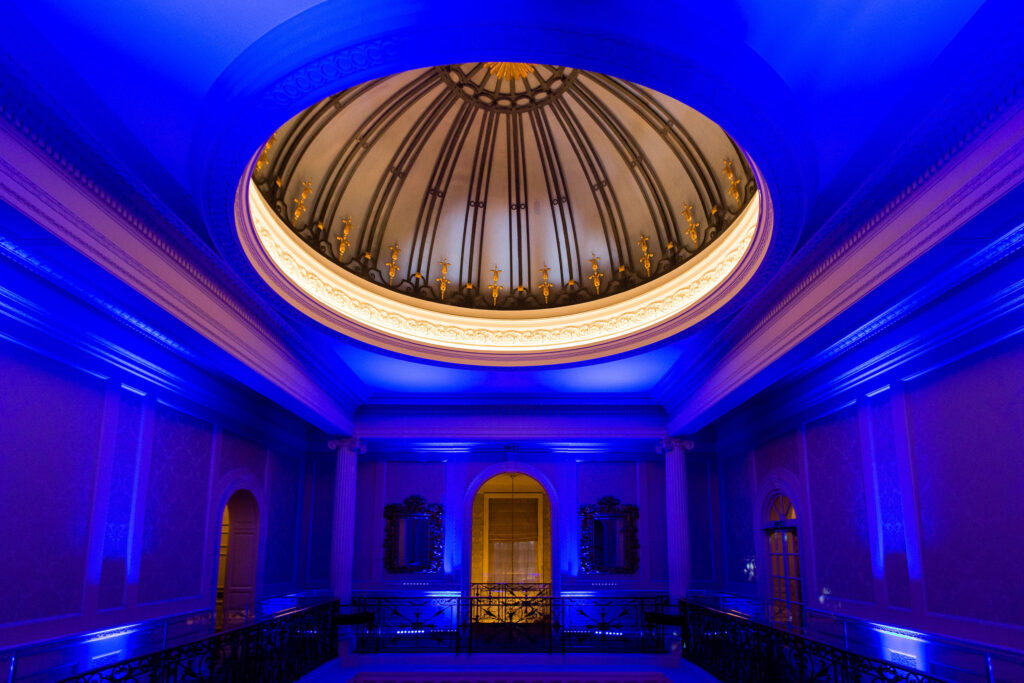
{"x":238,"y":560}
{"x":511,"y":537}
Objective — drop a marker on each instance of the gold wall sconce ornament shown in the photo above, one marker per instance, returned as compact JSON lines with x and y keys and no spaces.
{"x":734,"y":181}
{"x":692,"y":225}
{"x":495,"y":288}
{"x":346,"y":228}
{"x":645,"y":257}
{"x":392,"y":265}
{"x":443,"y":281}
{"x":596,"y":277}
{"x":509,"y":71}
{"x":262,"y":160}
{"x":545,"y":286}
{"x":300,"y":201}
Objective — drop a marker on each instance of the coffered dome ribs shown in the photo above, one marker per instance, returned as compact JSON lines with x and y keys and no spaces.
{"x":503,"y":185}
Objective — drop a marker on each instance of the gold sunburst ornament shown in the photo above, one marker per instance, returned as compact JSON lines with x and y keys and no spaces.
{"x":509,"y":71}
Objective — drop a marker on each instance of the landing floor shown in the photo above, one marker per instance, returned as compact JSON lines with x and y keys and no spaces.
{"x":501,"y":668}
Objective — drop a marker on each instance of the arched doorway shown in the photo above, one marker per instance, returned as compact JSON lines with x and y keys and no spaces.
{"x":511,"y":537}
{"x":785,"y":595}
{"x":236,"y":569}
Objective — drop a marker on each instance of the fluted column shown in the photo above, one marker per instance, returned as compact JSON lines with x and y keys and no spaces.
{"x":343,"y":529}
{"x":677,"y":521}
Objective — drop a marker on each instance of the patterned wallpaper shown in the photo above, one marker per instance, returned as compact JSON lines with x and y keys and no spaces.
{"x":50,"y":418}
{"x":323,"y":513}
{"x":119,"y":509}
{"x":967,"y":426}
{"x":698,"y":503}
{"x":890,"y":500}
{"x":779,"y":453}
{"x":52,"y":459}
{"x":282,"y":518}
{"x":174,"y":528}
{"x":238,"y":452}
{"x":836,"y":477}
{"x":739,"y":519}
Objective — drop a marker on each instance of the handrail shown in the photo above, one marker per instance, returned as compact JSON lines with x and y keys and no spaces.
{"x":62,"y":655}
{"x":503,"y":623}
{"x":984,"y":662}
{"x":738,"y":648}
{"x":704,"y":598}
{"x":281,"y":647}
{"x":157,"y":630}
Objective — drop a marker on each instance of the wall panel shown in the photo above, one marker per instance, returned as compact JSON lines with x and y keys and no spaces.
{"x":836,"y":478}
{"x":967,"y":427}
{"x":598,"y":479}
{"x":175,"y":521}
{"x":780,"y":453}
{"x":698,"y":501}
{"x":282,"y":518}
{"x":322,"y":512}
{"x":123,"y":471}
{"x":890,"y":500}
{"x":238,"y":452}
{"x":49,"y":434}
{"x":738,"y":520}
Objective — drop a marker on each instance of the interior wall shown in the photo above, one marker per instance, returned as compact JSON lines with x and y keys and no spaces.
{"x":908,"y":495}
{"x":112,"y":491}
{"x":385,"y":476}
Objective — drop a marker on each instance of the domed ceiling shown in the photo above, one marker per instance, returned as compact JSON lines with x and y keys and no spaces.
{"x":502,"y":194}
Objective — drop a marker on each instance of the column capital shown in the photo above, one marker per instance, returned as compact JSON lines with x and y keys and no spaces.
{"x":673,"y":444}
{"x":352,"y":444}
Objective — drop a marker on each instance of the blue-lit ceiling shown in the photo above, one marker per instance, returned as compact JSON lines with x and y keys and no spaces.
{"x":137,"y":76}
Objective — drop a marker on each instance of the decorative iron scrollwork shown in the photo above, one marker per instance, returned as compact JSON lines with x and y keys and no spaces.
{"x":414,"y":536}
{"x":735,"y":648}
{"x":608,"y":537}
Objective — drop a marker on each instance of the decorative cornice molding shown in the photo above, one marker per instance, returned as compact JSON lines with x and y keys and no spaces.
{"x":59,"y":140}
{"x":606,"y":326}
{"x":919,"y":218}
{"x":990,"y":319}
{"x":94,"y":224}
{"x":970,"y":110}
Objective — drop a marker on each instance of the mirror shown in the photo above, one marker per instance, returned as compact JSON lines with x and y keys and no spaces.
{"x":413,"y":539}
{"x":608,"y":540}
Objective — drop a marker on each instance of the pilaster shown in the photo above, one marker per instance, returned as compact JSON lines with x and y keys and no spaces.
{"x":677,"y":525}
{"x":343,"y":527}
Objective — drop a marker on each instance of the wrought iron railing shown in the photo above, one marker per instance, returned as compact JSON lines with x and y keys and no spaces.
{"x":49,"y":660}
{"x":282,"y":648}
{"x":737,"y":649}
{"x":940,"y":656}
{"x":510,"y":590}
{"x":511,"y":624}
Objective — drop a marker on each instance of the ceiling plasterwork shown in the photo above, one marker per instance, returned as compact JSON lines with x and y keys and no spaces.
{"x":500,"y":208}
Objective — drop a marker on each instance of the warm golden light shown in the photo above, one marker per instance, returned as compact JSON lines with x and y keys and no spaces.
{"x":509,"y":71}
{"x":349,"y":304}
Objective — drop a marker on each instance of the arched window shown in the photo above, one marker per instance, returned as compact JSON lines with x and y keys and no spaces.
{"x":785,"y":601}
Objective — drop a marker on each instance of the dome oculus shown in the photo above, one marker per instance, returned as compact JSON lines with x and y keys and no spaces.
{"x":501,"y":191}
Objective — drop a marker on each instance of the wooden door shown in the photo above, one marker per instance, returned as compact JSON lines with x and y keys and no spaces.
{"x":242,"y":558}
